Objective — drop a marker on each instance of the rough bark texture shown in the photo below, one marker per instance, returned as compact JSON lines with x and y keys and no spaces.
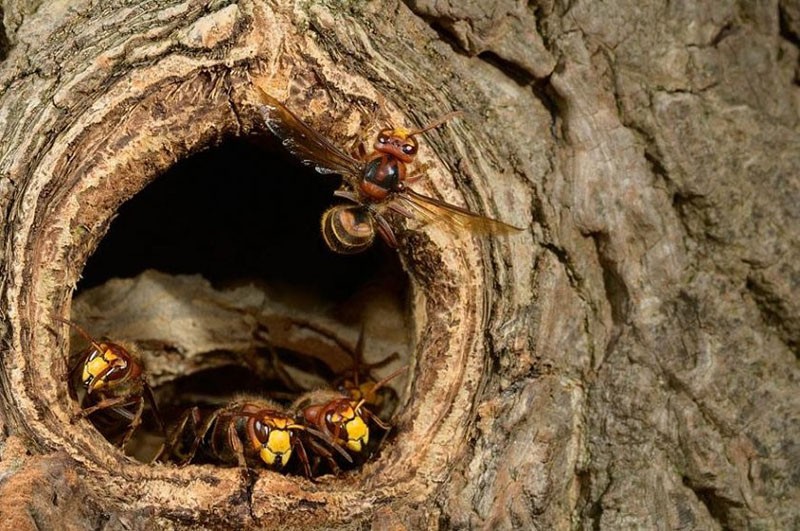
{"x":628,"y":362}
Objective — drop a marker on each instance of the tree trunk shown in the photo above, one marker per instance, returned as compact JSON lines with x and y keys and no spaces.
{"x":628,"y":361}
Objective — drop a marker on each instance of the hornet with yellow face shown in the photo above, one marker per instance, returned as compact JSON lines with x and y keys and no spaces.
{"x":340,"y":417}
{"x":109,"y":383}
{"x":248,"y":432}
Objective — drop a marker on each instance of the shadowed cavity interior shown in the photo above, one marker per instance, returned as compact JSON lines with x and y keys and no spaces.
{"x":242,"y":219}
{"x":237,"y":212}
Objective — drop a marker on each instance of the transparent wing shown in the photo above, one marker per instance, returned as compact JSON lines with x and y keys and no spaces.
{"x":433,"y":210}
{"x":303,"y":142}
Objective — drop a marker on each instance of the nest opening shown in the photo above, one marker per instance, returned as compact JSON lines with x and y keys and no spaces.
{"x":200,"y":319}
{"x":234,"y":222}
{"x":244,"y":210}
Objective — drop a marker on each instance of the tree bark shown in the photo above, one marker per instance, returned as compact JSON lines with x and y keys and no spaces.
{"x":628,"y":361}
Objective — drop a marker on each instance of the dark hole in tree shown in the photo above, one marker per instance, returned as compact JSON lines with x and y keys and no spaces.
{"x":233,"y":213}
{"x":240,"y":212}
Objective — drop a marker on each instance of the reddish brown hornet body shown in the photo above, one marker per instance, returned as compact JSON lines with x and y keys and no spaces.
{"x":340,"y":417}
{"x":375,"y":184}
{"x":248,"y":432}
{"x":109,"y":383}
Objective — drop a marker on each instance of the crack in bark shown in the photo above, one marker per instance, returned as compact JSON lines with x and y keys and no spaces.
{"x":517,"y":72}
{"x":544,"y":92}
{"x":593,"y":509}
{"x":785,"y":29}
{"x":513,"y":71}
{"x":724,"y":32}
{"x":616,"y":288}
{"x":251,"y":477}
{"x":445,"y":35}
{"x":718,"y":506}
{"x":790,"y":34}
{"x":577,"y":282}
{"x":5,"y":43}
{"x":562,"y":256}
{"x":769,"y":307}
